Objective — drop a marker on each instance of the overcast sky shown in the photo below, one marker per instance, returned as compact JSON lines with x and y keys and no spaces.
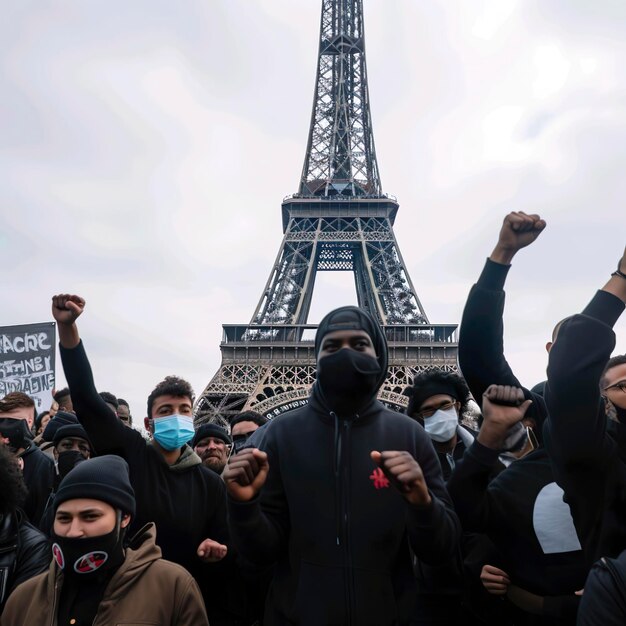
{"x":145,"y":148}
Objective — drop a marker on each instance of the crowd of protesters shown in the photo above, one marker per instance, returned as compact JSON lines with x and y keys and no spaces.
{"x":343,"y":511}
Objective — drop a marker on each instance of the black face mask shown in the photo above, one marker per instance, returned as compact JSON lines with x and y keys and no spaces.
{"x":89,"y":557}
{"x":347,"y":380}
{"x":16,"y":431}
{"x":67,"y":461}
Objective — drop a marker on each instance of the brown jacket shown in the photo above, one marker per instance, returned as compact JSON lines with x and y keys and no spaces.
{"x":145,"y":590}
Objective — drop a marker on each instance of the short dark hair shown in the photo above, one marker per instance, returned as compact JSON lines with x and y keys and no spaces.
{"x":62,"y":393}
{"x":248,"y":416}
{"x":171,"y":386}
{"x":435,"y":377}
{"x":16,"y":400}
{"x":12,"y":487}
{"x":619,"y":359}
{"x":109,"y":398}
{"x":121,"y":401}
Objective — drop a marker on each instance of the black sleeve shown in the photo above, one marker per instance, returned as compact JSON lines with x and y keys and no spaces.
{"x":481,"y":343}
{"x":434,"y":531}
{"x":106,"y":432}
{"x":581,"y":452}
{"x":217,"y":525}
{"x":33,"y":556}
{"x":577,"y":423}
{"x":468,"y":487}
{"x":604,"y":600}
{"x":260,"y":528}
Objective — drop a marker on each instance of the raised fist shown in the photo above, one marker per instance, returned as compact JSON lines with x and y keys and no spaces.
{"x":67,"y":308}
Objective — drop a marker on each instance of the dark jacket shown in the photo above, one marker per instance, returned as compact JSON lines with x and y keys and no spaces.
{"x":145,"y":590}
{"x":186,"y":501}
{"x":39,"y":476}
{"x":522,"y":512}
{"x":24,"y":553}
{"x":588,"y":452}
{"x":604,"y":600}
{"x":337,"y":529}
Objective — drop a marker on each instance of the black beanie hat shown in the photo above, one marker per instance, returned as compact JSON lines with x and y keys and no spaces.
{"x":60,"y":419}
{"x":211,"y":430}
{"x":104,"y":478}
{"x":71,"y":430}
{"x":354,"y":318}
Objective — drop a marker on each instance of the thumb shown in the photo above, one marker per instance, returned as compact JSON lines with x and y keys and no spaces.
{"x":261,"y":457}
{"x":376,"y":456}
{"x":523,"y":407}
{"x":72,"y":306}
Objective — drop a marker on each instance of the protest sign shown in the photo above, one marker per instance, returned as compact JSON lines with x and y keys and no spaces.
{"x":27,"y":361}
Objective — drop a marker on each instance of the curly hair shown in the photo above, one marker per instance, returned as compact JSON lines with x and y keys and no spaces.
{"x":437,"y":378}
{"x":12,"y":487}
{"x":171,"y":386}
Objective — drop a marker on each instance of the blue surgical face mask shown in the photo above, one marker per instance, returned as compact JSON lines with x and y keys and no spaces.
{"x":173,"y":431}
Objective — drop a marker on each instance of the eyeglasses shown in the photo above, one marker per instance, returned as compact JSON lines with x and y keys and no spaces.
{"x":431,"y":412}
{"x":621,"y":385}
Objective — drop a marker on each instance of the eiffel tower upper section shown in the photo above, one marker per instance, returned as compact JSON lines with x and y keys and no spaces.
{"x":340,"y":208}
{"x":339,"y":220}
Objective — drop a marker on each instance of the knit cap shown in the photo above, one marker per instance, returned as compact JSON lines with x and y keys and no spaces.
{"x":61,"y":418}
{"x":211,"y":430}
{"x":71,"y":430}
{"x":104,"y":478}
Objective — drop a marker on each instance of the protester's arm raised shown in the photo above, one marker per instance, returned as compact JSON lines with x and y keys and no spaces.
{"x":481,"y":335}
{"x":518,"y":231}
{"x":105,"y":430}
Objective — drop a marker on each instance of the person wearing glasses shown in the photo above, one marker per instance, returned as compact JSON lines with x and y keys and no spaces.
{"x":437,"y":401}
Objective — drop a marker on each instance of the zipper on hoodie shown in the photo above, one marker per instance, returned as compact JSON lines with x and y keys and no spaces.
{"x":345,"y":515}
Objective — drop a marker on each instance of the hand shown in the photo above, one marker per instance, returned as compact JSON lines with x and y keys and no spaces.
{"x":246,"y":473}
{"x":518,"y":231}
{"x":503,"y":406}
{"x":67,"y":308}
{"x":405,"y":474}
{"x":211,"y":551}
{"x":494,"y":580}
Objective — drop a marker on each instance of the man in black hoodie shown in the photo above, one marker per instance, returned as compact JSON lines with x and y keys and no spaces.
{"x":341,"y":489}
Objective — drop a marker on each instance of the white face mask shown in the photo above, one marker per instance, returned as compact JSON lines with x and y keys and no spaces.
{"x":441,"y":426}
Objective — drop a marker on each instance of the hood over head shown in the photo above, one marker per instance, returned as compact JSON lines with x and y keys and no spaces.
{"x":354,"y":318}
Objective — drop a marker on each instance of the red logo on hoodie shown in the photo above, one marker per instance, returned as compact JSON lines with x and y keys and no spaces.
{"x":379,"y":479}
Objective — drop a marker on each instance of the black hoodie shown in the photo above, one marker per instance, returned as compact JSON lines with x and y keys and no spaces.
{"x":337,"y":529}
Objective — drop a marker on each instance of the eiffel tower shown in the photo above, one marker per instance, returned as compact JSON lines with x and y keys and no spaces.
{"x":339,"y":220}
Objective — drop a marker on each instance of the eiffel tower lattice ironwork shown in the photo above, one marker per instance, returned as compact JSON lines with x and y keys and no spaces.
{"x":339,"y":220}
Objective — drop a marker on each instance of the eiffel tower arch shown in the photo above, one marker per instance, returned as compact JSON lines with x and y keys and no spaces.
{"x":339,"y":220}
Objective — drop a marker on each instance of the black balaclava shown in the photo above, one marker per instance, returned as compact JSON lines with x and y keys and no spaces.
{"x":348,"y":380}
